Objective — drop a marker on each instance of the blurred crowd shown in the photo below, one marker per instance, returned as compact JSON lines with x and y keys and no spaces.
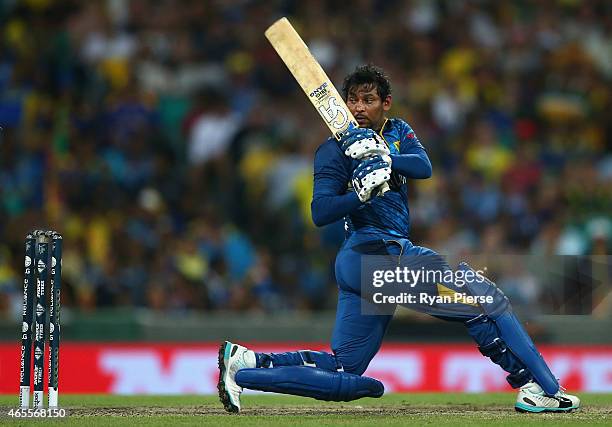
{"x":173,"y":150}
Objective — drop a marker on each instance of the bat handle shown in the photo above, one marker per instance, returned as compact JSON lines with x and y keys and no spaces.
{"x":385,"y":188}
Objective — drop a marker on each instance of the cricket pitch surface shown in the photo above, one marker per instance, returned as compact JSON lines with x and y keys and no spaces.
{"x":436,"y":409}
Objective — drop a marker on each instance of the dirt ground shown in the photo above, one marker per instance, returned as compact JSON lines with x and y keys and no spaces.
{"x":395,"y":410}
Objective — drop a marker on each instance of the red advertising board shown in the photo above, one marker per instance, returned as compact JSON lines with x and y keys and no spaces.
{"x":185,"y":368}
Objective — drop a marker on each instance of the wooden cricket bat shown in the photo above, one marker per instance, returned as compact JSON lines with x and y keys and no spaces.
{"x":312,"y":79}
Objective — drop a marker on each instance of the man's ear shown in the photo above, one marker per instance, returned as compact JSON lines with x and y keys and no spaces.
{"x":387,"y":103}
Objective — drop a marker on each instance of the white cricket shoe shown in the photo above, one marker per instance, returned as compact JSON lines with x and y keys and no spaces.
{"x":531,"y":398}
{"x":232,"y":358}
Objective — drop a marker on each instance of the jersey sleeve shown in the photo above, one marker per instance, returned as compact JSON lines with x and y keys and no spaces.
{"x":330,"y":201}
{"x":409,"y":143}
{"x":412,"y":162}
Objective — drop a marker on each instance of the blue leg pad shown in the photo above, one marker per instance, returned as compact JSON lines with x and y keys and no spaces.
{"x":501,"y":337}
{"x":310,"y":382}
{"x":486,"y":334}
{"x":520,"y":343}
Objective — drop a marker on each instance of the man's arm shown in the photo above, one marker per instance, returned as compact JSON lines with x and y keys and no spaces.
{"x":413,"y":161}
{"x":414,"y":165}
{"x":330,"y":202}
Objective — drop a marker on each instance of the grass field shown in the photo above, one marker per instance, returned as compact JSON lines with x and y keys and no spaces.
{"x":273,"y":410}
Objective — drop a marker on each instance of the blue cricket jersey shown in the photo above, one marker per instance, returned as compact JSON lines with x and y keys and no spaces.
{"x":334,"y":197}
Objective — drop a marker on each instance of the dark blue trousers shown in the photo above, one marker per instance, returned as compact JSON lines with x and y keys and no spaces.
{"x":357,"y":337}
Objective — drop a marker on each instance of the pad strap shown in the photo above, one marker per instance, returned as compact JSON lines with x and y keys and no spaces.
{"x":519,"y":378}
{"x":494,"y":349}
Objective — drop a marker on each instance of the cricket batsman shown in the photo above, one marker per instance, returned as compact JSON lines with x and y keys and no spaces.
{"x":349,"y":177}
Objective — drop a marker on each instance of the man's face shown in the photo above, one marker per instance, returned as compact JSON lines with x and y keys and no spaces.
{"x":367,"y":106}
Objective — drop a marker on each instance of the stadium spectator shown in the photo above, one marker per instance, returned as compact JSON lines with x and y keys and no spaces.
{"x":165,"y":142}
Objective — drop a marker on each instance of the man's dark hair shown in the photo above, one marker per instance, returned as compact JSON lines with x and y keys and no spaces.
{"x":367,"y":75}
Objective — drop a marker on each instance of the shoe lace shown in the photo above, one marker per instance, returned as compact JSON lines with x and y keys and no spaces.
{"x":562,"y":389}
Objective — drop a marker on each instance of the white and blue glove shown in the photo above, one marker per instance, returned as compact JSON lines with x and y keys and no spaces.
{"x":360,"y":143}
{"x":370,"y":175}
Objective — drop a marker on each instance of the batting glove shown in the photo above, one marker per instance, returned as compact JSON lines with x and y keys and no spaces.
{"x":370,"y":175}
{"x":360,"y":143}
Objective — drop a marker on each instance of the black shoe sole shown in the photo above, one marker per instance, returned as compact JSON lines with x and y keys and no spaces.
{"x":223,"y":395}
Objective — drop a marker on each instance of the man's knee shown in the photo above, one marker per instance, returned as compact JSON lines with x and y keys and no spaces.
{"x":351,"y":361}
{"x":492,"y":300}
